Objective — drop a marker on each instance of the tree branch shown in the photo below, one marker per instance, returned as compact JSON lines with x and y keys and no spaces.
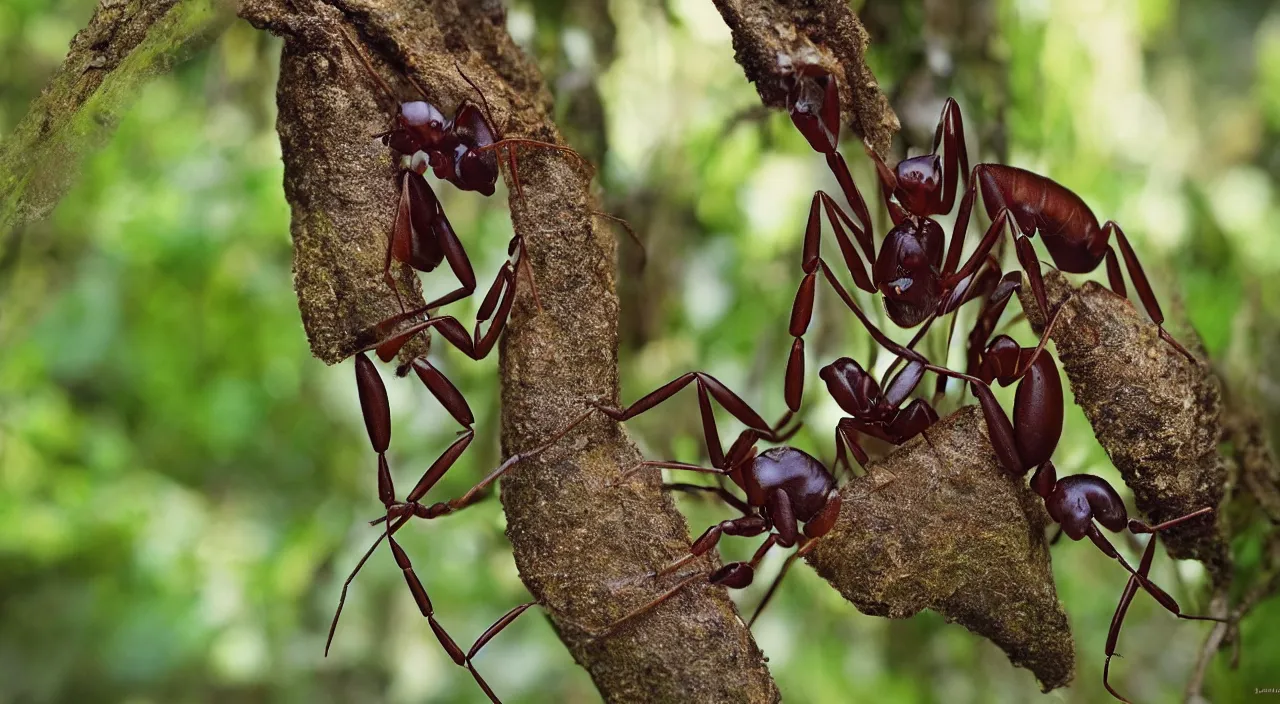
{"x":125,"y":45}
{"x":583,"y":550}
{"x":1156,"y":414}
{"x":938,"y":525}
{"x":770,"y":38}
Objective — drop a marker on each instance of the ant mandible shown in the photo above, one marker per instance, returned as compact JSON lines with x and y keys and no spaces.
{"x":1079,"y":503}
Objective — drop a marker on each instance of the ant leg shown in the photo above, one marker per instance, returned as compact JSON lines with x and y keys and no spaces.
{"x":1031,"y":264}
{"x":1117,"y":619}
{"x":802,"y":307}
{"x":950,"y":277}
{"x":719,"y":491}
{"x":734,"y":575}
{"x":847,"y":439}
{"x":730,"y":401}
{"x":888,"y":184}
{"x":342,"y":598}
{"x":644,"y":254}
{"x":777,"y":581}
{"x":458,"y":263}
{"x":875,"y":332}
{"x":989,"y":316}
{"x":424,"y":604}
{"x":487,"y":636}
{"x":444,"y":391}
{"x":950,"y":135}
{"x":510,"y":144}
{"x":865,"y":236}
{"x":1143,"y":285}
{"x":401,"y":230}
{"x":746,"y":526}
{"x":500,"y":296}
{"x":522,"y":264}
{"x":664,"y":464}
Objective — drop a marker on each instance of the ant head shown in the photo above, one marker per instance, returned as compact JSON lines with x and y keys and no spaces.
{"x":813,"y":101}
{"x":920,"y":184}
{"x":473,"y":169}
{"x":1000,"y":360}
{"x":1080,"y":499}
{"x":905,"y":273}
{"x":852,"y":388}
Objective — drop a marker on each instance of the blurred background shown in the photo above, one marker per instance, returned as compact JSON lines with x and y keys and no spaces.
{"x":183,"y":488}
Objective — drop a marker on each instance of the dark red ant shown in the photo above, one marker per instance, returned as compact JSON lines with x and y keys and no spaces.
{"x":1078,"y":503}
{"x":873,"y":412}
{"x":909,"y":271}
{"x":784,"y":487}
{"x":463,"y":151}
{"x":377,"y":419}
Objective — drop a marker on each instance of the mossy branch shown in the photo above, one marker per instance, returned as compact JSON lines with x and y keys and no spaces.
{"x":582,"y":550}
{"x":124,"y":46}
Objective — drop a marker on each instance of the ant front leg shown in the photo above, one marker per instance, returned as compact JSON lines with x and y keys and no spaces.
{"x":888,"y":184}
{"x":708,"y":388}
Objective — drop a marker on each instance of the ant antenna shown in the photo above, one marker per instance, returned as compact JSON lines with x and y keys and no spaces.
{"x":644,"y":254}
{"x":484,"y":101}
{"x":368,"y":65}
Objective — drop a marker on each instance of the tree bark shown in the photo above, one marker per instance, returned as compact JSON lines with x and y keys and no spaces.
{"x":939,"y":525}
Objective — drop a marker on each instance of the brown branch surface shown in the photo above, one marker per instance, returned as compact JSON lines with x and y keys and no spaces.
{"x":123,"y":46}
{"x":938,"y":525}
{"x":584,"y":551}
{"x":772,"y":37}
{"x":1155,"y":413}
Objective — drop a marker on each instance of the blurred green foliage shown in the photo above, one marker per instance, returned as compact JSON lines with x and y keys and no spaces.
{"x":183,"y":488}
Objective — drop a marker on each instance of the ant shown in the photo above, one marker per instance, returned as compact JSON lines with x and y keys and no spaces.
{"x":1079,"y":503}
{"x":917,"y":284}
{"x":909,"y":271}
{"x":784,"y":486}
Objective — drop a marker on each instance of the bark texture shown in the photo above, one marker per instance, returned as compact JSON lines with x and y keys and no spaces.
{"x":125,"y":45}
{"x":1156,"y":414}
{"x":938,"y":525}
{"x":584,"y":551}
{"x":772,"y":37}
